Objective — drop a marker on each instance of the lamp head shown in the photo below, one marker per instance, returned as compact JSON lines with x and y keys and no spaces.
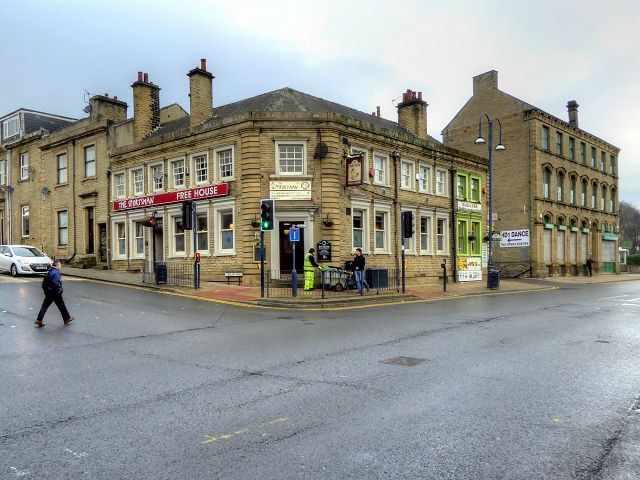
{"x":500,"y":147}
{"x":480,"y":140}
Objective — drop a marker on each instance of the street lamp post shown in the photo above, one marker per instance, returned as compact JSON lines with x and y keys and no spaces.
{"x":499,"y":146}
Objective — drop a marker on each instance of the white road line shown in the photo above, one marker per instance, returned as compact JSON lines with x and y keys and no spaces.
{"x":630,"y":305}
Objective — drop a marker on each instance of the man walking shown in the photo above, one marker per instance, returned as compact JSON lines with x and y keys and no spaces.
{"x":590,"y":266}
{"x":52,"y":286}
{"x":310,"y":265}
{"x":358,"y":270}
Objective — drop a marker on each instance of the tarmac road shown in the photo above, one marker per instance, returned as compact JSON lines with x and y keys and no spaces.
{"x":151,"y":385}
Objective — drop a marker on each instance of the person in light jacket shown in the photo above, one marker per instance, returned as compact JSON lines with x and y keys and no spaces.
{"x":310,"y":266}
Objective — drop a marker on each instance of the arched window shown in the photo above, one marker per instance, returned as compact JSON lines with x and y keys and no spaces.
{"x":547,"y":219}
{"x":612,"y":200}
{"x":572,"y":190}
{"x":594,"y":195}
{"x":583,"y":194}
{"x":546,"y":183}
{"x":560,"y":180}
{"x":603,"y":199}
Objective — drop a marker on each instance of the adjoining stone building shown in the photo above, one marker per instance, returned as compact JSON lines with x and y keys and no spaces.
{"x":21,"y":175}
{"x":555,"y":180}
{"x":342,"y":175}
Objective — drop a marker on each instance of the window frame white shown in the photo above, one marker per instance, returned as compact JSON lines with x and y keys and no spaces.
{"x":424,"y":181}
{"x":194,"y":160}
{"x":172,"y":173}
{"x":203,"y":214}
{"x":156,"y":184}
{"x":422,"y":215}
{"x":25,"y":228}
{"x":120,"y":242}
{"x":6,"y":124}
{"x":88,"y":162}
{"x":173,"y":227}
{"x":3,"y":174}
{"x":24,"y":166}
{"x":445,"y":235}
{"x":364,"y":208}
{"x":220,"y":208}
{"x":445,"y":188}
{"x":136,"y":227}
{"x":62,"y":227}
{"x":410,"y":246}
{"x":137,"y":182}
{"x":218,"y":172}
{"x":294,"y":143}
{"x":116,"y":186}
{"x":60,"y":169}
{"x":381,"y":169}
{"x":407,"y":178}
{"x":385,"y":211}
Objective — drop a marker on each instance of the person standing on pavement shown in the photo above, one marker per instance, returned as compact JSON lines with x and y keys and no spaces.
{"x":358,"y":270}
{"x":310,"y":266}
{"x":590,"y":266}
{"x":52,"y":286}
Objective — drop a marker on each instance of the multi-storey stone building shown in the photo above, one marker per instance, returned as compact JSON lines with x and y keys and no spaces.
{"x":555,"y":180}
{"x":342,"y":175}
{"x":21,"y":174}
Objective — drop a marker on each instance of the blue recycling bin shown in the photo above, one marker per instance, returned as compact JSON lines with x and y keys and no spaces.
{"x":161,"y":272}
{"x":494,"y":278}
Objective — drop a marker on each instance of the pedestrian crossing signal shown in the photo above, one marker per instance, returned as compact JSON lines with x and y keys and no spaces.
{"x":267,"y":208}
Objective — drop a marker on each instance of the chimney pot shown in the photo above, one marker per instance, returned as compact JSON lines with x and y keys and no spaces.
{"x":378,"y":111}
{"x":419,"y":95}
{"x":106,"y":95}
{"x":139,"y":76}
{"x":203,"y":64}
{"x":115,"y":97}
{"x":572,"y":107}
{"x":146,"y":78}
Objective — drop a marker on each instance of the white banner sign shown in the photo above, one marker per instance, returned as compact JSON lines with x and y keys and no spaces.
{"x":514,"y":238}
{"x":290,"y":190}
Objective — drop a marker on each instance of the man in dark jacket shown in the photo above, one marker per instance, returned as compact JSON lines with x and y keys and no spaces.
{"x":52,"y":286}
{"x":358,"y":271}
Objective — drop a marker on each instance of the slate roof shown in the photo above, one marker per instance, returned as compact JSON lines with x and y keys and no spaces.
{"x":32,"y":121}
{"x":287,"y":100}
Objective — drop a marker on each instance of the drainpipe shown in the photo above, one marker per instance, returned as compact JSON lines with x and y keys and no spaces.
{"x":8,"y":196}
{"x":73,"y":202}
{"x":454,"y":224}
{"x":396,"y":202}
{"x":531,"y":242}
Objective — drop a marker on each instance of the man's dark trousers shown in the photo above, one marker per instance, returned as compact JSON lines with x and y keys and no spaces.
{"x":58,"y":300}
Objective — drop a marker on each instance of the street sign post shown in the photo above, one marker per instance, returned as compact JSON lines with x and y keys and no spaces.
{"x":294,"y":237}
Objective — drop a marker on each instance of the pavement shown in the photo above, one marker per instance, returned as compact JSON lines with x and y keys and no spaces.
{"x":250,"y":296}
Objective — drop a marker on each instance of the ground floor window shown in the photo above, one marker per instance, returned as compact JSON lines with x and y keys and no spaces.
{"x":63,"y":228}
{"x":120,"y":240}
{"x":138,"y":239}
{"x":380,"y":228}
{"x":425,"y":234}
{"x":202,"y":233}
{"x":24,"y":214}
{"x":442,"y":235}
{"x":179,"y":243}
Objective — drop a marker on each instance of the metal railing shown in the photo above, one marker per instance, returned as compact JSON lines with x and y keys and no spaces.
{"x":169,"y":273}
{"x":330,"y":282}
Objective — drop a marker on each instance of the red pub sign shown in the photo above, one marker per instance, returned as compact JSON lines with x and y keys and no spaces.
{"x":198,"y":193}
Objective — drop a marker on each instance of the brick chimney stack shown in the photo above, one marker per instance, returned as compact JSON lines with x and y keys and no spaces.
{"x":200,"y":94}
{"x":572,"y":107}
{"x":412,"y":114}
{"x":104,"y":107}
{"x":485,"y":81}
{"x":146,"y":107}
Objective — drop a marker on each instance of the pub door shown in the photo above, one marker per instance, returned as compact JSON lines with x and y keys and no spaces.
{"x":286,"y":247}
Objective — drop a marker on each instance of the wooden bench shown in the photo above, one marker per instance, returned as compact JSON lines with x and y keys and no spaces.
{"x":234,"y":275}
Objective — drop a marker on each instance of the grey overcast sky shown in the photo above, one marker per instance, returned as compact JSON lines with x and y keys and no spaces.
{"x":360,"y":53}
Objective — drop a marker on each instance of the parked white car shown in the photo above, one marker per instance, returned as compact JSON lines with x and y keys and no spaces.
{"x":23,"y":259}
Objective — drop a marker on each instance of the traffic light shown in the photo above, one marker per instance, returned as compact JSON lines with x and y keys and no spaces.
{"x":407,"y":224}
{"x":187,"y":213}
{"x":267,"y":208}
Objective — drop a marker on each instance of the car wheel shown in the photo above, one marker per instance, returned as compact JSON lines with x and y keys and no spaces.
{"x":14,"y":270}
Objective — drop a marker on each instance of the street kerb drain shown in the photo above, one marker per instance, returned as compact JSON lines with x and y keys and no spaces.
{"x":404,"y":361}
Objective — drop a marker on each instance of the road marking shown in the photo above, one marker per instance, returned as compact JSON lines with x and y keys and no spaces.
{"x":630,"y":305}
{"x":76,"y":454}
{"x":634,"y":299}
{"x":209,"y":439}
{"x":20,"y":473}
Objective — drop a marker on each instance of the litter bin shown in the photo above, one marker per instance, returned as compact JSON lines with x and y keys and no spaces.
{"x":161,"y":272}
{"x":494,"y":278}
{"x":377,"y":277}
